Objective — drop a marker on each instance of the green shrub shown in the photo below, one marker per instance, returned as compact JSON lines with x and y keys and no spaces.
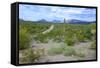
{"x":93,"y":45}
{"x":24,"y":38}
{"x":69,"y":51}
{"x":69,"y":38}
{"x":87,"y":33}
{"x":69,"y":41}
{"x":80,"y":37}
{"x":80,"y":54}
{"x":93,"y":31}
{"x":58,"y":49}
{"x":42,"y":38}
{"x":30,"y":56}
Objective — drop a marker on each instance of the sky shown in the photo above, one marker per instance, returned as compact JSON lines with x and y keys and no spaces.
{"x":50,"y":13}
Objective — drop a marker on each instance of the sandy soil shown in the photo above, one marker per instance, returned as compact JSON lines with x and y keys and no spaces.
{"x":84,"y":46}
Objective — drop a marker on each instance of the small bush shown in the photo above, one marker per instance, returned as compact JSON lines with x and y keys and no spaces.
{"x":87,"y":33}
{"x":93,"y":31}
{"x":69,"y":38}
{"x":56,"y":50}
{"x":93,"y":45}
{"x":42,"y":38}
{"x":69,"y":51}
{"x":30,"y":56}
{"x":80,"y":37}
{"x":80,"y":54}
{"x":69,"y":41}
{"x":24,"y":39}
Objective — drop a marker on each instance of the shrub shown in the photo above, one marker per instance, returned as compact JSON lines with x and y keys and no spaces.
{"x":30,"y":56}
{"x":80,"y":54}
{"x":93,"y":31}
{"x":24,"y":38}
{"x":58,"y":49}
{"x":87,"y":33}
{"x":69,"y":38}
{"x":42,"y":38}
{"x":93,"y":45}
{"x":69,"y":51}
{"x":69,"y":41}
{"x":80,"y":37}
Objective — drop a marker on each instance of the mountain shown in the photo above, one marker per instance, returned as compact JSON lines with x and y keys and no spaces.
{"x":45,"y":21}
{"x":42,"y":21}
{"x":75,"y":21}
{"x":70,"y":21}
{"x":56,"y":21}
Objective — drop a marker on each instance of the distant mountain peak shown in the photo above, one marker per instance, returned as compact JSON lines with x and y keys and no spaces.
{"x":42,"y":20}
{"x":56,"y":21}
{"x":69,"y":21}
{"x":76,"y":21}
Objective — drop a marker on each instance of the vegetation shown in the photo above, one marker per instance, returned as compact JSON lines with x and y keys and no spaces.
{"x":69,"y":51}
{"x":58,"y":49}
{"x":72,"y":34}
{"x":66,"y":34}
{"x":24,"y":38}
{"x":93,"y":45}
{"x":80,"y":54}
{"x":31,"y":55}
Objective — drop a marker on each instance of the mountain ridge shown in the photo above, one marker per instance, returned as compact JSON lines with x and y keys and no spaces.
{"x":70,"y":21}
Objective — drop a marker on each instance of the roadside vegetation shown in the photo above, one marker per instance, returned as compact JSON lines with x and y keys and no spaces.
{"x":69,"y":34}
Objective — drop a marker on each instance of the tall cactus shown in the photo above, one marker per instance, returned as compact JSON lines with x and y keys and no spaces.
{"x":63,"y":28}
{"x":64,"y":25}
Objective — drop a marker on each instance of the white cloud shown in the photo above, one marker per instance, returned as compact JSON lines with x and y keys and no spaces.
{"x":67,"y":10}
{"x":53,"y":9}
{"x":51,"y":13}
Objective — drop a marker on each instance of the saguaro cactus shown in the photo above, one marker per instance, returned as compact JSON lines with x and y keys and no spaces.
{"x":64,"y":27}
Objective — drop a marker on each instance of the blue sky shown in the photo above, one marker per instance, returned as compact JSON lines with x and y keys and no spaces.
{"x":50,"y":13}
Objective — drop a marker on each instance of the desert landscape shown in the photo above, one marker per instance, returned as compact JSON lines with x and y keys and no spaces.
{"x":56,"y":34}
